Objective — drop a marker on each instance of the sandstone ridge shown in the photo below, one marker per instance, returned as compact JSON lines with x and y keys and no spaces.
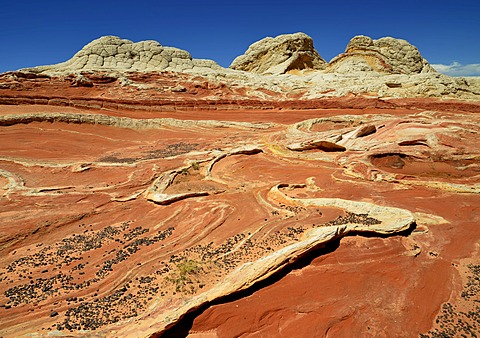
{"x":271,"y":55}
{"x":284,"y":68}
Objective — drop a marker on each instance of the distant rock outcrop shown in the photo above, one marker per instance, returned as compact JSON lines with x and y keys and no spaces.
{"x":112,"y":52}
{"x":286,"y":67}
{"x":280,"y":55}
{"x":386,"y":55}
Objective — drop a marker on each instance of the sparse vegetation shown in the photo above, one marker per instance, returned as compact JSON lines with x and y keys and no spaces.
{"x":171,"y":150}
{"x":193,"y":165}
{"x":183,"y":277}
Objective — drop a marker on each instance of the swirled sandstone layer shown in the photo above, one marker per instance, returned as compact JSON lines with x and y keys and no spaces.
{"x":120,"y":226}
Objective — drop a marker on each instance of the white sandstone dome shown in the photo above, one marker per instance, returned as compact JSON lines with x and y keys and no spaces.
{"x":385,"y":55}
{"x":114,"y":53}
{"x":280,"y":55}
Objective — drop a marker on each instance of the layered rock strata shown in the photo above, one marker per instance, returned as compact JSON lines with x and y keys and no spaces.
{"x":134,"y":194}
{"x":133,"y":200}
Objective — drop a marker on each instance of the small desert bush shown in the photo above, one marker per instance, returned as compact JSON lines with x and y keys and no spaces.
{"x":183,"y":277}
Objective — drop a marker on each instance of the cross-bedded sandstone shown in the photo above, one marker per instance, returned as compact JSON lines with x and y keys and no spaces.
{"x":139,"y":192}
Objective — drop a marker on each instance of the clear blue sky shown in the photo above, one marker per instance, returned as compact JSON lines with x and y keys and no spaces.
{"x":38,"y":32}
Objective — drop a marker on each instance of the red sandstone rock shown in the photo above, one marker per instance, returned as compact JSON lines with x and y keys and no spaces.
{"x":80,"y":238}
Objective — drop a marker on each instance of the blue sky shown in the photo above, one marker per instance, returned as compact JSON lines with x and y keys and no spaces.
{"x":46,"y":31}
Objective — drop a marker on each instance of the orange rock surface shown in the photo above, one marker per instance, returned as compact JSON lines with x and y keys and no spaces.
{"x":129,"y":212}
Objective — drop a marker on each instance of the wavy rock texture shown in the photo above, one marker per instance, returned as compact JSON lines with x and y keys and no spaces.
{"x":209,"y":202}
{"x":112,"y":52}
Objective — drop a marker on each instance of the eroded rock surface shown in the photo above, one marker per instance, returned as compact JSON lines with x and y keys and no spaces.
{"x":112,"y":52}
{"x":285,"y":71}
{"x":386,"y":55}
{"x":132,"y":197}
{"x":279,"y":55}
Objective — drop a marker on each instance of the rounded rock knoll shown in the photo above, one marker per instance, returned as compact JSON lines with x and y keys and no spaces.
{"x":279,"y":55}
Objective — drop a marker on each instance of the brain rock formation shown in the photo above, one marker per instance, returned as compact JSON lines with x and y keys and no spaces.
{"x":111,"y":52}
{"x":385,"y":55}
{"x":280,"y":55}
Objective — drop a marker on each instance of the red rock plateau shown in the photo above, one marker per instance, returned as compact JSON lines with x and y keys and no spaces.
{"x":170,"y":204}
